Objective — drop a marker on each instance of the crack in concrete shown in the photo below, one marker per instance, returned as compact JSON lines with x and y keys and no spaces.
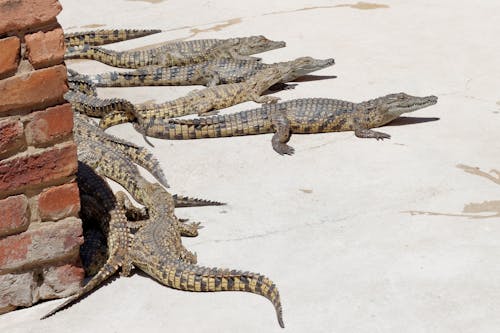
{"x":273,"y":232}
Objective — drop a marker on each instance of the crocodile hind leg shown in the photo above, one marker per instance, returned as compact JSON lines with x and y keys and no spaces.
{"x":209,"y":75}
{"x":371,"y":134}
{"x":188,"y":256}
{"x":189,"y":229}
{"x":282,"y":135}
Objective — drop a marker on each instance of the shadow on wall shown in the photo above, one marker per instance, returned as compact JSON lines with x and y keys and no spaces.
{"x":473,"y":209}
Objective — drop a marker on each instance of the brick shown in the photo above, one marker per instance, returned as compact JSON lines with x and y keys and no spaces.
{"x":34,"y":90}
{"x":50,"y":125}
{"x":21,"y":172}
{"x":14,"y":215}
{"x":61,"y":281}
{"x":14,"y":249}
{"x":16,"y":290}
{"x":27,"y":288}
{"x":59,"y":202}
{"x":41,"y":245}
{"x":9,"y":57}
{"x":23,"y":14}
{"x":11,"y":137}
{"x":45,"y":49}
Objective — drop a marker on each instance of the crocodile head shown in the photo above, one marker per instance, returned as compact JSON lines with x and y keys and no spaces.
{"x":302,"y":66}
{"x":265,"y":79}
{"x":392,"y":106}
{"x":257,"y":44}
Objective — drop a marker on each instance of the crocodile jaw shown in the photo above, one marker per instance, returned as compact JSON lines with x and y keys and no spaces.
{"x":305,"y":65}
{"x":392,"y":106}
{"x":410,"y":104}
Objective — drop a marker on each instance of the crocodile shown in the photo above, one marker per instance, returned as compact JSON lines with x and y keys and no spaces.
{"x":177,"y":53}
{"x":208,"y":73}
{"x":115,"y":225}
{"x":94,"y":251}
{"x":301,"y":116}
{"x":85,"y":130}
{"x":105,"y":36}
{"x":112,"y":157}
{"x":157,"y":250}
{"x":205,"y":100}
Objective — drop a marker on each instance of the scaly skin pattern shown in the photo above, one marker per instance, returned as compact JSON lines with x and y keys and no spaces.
{"x":208,"y":73}
{"x":105,"y":36}
{"x":205,"y":100}
{"x":156,"y":248}
{"x":110,"y":162}
{"x":301,"y":116}
{"x":94,"y":251}
{"x":158,"y":251}
{"x":94,"y":106}
{"x":81,"y":83}
{"x":119,"y":235}
{"x":177,"y":53}
{"x":85,"y":130}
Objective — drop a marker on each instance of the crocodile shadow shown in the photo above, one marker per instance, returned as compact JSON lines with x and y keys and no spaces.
{"x":411,"y":120}
{"x":306,"y":78}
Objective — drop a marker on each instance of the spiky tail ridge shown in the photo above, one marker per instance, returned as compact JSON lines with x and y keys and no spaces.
{"x":202,"y":279}
{"x":105,"y":36}
{"x":183,"y":201}
{"x":257,"y":121}
{"x":82,"y":84}
{"x":146,"y":159}
{"x":94,"y":106}
{"x":109,"y":268}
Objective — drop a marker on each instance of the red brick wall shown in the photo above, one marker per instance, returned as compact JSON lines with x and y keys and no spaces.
{"x":40,"y":233}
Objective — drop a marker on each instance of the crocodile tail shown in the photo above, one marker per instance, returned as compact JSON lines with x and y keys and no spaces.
{"x":109,"y":268}
{"x":183,"y":201}
{"x":116,"y":118}
{"x":146,"y":159}
{"x":139,"y":77}
{"x":117,"y":79}
{"x":191,"y":277}
{"x":249,"y":122}
{"x":151,"y":76}
{"x":105,"y":36}
{"x":94,"y":106}
{"x":125,"y":59}
{"x":81,"y":83}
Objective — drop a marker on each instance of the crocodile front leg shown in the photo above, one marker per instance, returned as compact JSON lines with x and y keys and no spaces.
{"x":209,"y":75}
{"x":265,"y":99}
{"x":282,"y":135}
{"x":371,"y":134}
